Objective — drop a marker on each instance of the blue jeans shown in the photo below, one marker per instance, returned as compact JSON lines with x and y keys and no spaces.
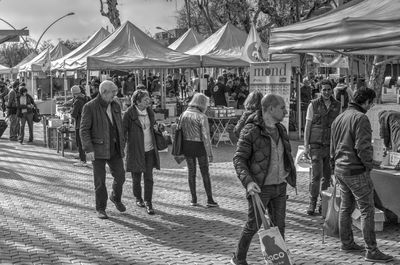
{"x":273,"y":197}
{"x":321,"y":171}
{"x":357,"y":189}
{"x":26,"y":118}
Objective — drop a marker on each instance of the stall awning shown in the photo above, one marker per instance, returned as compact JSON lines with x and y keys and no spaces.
{"x":359,"y":24}
{"x":129,"y":48}
{"x":187,"y":41}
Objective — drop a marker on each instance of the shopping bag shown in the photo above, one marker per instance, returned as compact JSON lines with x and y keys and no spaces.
{"x":331,"y":223}
{"x":36,"y":115}
{"x":273,"y":246}
{"x":161,"y":142}
{"x":177,"y":145}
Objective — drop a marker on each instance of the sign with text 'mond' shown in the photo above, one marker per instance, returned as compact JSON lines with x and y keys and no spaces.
{"x":272,"y":78}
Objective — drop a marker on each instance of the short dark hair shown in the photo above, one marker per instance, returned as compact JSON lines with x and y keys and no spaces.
{"x":23,"y":90}
{"x":362,"y":95}
{"x":326,"y":82}
{"x":341,"y":79}
{"x":138,"y":95}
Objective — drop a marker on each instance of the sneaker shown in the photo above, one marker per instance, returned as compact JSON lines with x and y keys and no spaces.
{"x":194,"y":204}
{"x":119,"y":205}
{"x":102,"y":214}
{"x":80,"y":164}
{"x":377,"y":256}
{"x":212,"y":204}
{"x":235,"y":261}
{"x":352,"y":248}
{"x":140,"y":203}
{"x":149,"y":208}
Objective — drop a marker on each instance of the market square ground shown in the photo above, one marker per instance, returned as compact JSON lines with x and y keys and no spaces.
{"x":47,"y":216}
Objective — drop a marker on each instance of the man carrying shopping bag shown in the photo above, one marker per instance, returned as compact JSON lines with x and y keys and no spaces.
{"x":264,"y":165}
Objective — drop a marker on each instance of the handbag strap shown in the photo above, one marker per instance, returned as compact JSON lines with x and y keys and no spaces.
{"x":179,"y":121}
{"x":258,"y":206}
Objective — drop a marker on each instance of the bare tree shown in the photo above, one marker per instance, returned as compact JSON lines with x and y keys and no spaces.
{"x":112,"y":12}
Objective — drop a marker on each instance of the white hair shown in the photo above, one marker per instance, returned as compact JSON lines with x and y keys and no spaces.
{"x":106,"y":86}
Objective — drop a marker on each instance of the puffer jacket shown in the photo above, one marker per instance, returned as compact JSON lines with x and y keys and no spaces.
{"x":351,"y":147}
{"x":195,"y":127}
{"x":95,"y":130}
{"x":253,"y":152}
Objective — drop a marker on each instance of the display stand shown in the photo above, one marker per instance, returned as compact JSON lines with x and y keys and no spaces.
{"x":220,"y":133}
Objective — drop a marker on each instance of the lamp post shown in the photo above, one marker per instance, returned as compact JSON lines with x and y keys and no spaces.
{"x":69,"y":14}
{"x":24,"y":39}
{"x":169,"y":35}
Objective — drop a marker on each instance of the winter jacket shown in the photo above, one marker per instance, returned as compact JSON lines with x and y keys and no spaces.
{"x":195,"y":127}
{"x":77,"y":107}
{"x":12,"y":105}
{"x":95,"y":130}
{"x":253,"y":152}
{"x":242,"y":122}
{"x":20,"y":107}
{"x":322,"y":120}
{"x":389,"y":121}
{"x":133,"y":132}
{"x":351,"y":147}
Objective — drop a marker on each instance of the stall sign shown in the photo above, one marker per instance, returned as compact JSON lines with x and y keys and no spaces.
{"x":272,"y":78}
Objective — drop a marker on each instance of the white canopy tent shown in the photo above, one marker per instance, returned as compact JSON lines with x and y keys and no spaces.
{"x":130,"y":48}
{"x":88,"y":45}
{"x":187,"y":41}
{"x":223,"y":48}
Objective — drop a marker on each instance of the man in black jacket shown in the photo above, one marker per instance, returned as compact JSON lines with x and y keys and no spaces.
{"x":76,"y":113}
{"x":264,"y":165}
{"x":351,"y":154}
{"x":103,"y":141}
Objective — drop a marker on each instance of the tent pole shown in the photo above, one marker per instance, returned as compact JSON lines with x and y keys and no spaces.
{"x":51,"y":94}
{"x":87,"y":88}
{"x":298,"y":103}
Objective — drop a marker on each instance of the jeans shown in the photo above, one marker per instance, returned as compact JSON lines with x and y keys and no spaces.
{"x":274,"y":198}
{"x":321,"y":170}
{"x":147,"y":178}
{"x":14,"y":126}
{"x":26,"y":118}
{"x":205,"y":174}
{"x":116,"y":165}
{"x":357,"y":189}
{"x":82,"y":155}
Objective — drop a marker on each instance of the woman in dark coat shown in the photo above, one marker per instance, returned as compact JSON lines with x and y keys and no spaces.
{"x":142,"y":153}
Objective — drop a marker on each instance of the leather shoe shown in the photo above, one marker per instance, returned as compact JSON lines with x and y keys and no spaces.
{"x":352,"y":248}
{"x":102,"y":214}
{"x":119,"y":205}
{"x":149,"y":208}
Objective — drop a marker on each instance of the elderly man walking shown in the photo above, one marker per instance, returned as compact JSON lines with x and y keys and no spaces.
{"x":264,"y":165}
{"x":103,"y":141}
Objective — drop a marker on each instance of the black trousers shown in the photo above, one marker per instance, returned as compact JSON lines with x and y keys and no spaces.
{"x":147,"y":178}
{"x":204,"y":169}
{"x":116,"y":165}
{"x":82,"y":155}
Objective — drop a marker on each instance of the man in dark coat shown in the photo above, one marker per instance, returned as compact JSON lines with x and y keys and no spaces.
{"x":103,"y":141}
{"x":77,"y":105}
{"x":264,"y":165}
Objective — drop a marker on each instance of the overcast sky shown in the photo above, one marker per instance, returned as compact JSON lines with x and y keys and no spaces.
{"x":39,"y":14}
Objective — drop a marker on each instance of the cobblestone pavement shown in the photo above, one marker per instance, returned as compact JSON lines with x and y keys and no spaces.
{"x":47,"y":217}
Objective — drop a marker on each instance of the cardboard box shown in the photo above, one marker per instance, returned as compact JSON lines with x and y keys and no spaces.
{"x":379,"y":219}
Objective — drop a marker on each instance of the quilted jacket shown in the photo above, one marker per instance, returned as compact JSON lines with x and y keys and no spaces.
{"x":253,"y":152}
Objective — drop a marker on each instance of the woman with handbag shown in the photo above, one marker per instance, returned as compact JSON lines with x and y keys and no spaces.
{"x":197,"y":145}
{"x":25,"y":107}
{"x":142,"y":152}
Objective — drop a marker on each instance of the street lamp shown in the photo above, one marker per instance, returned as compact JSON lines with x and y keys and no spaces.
{"x":69,"y":14}
{"x":24,"y":39}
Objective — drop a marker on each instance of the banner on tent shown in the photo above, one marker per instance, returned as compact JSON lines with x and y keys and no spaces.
{"x":272,"y":78}
{"x":330,"y":60}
